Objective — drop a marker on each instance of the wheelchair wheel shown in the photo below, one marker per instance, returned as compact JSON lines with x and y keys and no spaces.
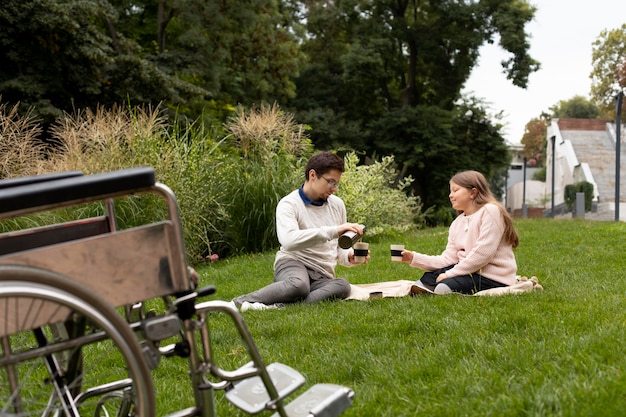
{"x":65,"y":351}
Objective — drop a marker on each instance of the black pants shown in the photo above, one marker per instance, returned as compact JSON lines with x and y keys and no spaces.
{"x":466,"y":284}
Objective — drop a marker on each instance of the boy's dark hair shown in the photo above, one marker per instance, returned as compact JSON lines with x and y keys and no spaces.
{"x":323,"y":162}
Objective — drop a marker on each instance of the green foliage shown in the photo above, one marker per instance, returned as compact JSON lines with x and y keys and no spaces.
{"x":381,"y":86}
{"x":62,"y":55}
{"x":580,"y":187}
{"x":374,"y":198}
{"x":271,"y":152}
{"x":577,"y":107}
{"x":384,"y":46}
{"x":241,"y":52}
{"x":570,"y":195}
{"x":348,"y":75}
{"x":227,"y":189}
{"x":252,"y":189}
{"x":508,"y":18}
{"x":372,"y":67}
{"x":608,"y":76}
{"x":433,"y":144}
{"x":540,"y":175}
{"x":441,"y":216}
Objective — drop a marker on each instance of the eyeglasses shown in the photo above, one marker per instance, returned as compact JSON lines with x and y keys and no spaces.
{"x":331,"y":183}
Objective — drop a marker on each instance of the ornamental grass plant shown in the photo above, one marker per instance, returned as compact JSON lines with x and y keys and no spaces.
{"x":20,"y":152}
{"x":227,"y":181}
{"x":556,"y":352}
{"x":185,"y":158}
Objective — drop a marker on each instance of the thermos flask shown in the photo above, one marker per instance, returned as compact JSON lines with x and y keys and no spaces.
{"x":349,"y":238}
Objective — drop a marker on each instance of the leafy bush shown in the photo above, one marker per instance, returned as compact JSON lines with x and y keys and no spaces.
{"x":372,"y":198}
{"x":580,"y":187}
{"x":440,"y":216}
{"x":540,"y":174}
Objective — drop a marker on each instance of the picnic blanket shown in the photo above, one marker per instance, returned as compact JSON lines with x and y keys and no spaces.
{"x":403,"y":288}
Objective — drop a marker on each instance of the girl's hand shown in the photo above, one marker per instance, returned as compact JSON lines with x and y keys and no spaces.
{"x":441,"y":277}
{"x":407,"y":256}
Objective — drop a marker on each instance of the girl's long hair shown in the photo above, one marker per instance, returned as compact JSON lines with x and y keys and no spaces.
{"x":475,"y":180}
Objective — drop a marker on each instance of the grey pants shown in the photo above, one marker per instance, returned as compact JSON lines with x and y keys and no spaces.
{"x":294,"y":282}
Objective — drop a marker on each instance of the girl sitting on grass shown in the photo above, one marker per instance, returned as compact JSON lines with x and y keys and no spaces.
{"x":479,"y":254}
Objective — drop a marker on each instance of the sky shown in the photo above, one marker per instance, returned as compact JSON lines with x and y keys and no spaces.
{"x":561,"y":37}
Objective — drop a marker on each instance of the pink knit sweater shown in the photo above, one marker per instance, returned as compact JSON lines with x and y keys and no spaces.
{"x":476,"y":245}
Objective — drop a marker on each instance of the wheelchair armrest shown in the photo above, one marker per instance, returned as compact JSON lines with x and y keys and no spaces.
{"x":75,"y":189}
{"x":16,"y":182}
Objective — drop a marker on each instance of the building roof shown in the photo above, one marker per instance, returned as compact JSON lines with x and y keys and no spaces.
{"x":582,"y":124}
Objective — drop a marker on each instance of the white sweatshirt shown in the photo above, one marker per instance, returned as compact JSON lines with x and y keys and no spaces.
{"x":308,"y":233}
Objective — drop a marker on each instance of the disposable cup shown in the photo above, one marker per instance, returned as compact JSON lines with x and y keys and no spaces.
{"x":360,"y":252}
{"x":396,"y":253}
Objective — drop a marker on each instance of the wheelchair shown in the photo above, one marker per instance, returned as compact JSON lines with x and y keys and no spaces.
{"x":75,"y":336}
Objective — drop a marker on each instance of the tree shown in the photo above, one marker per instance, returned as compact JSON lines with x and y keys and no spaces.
{"x":621,"y":73}
{"x":58,"y":56}
{"x":238,"y":51}
{"x":577,"y":107}
{"x":415,"y":52}
{"x":534,"y":141}
{"x":608,"y":77}
{"x":385,"y":77}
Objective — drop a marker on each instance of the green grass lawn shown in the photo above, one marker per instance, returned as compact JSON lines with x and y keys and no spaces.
{"x":558,"y":352}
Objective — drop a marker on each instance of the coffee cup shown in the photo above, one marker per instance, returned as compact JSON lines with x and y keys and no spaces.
{"x":361,"y":252}
{"x":396,"y":253}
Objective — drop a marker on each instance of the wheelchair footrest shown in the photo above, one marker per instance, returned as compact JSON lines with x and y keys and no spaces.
{"x":321,"y":400}
{"x":250,"y":394}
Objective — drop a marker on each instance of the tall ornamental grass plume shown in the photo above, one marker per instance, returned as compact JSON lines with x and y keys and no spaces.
{"x":21,"y":152}
{"x":184,"y":158}
{"x":108,"y":139}
{"x":374,"y":198}
{"x":271,"y":152}
{"x":267,"y":132}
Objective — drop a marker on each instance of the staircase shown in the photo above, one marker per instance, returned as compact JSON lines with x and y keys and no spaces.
{"x":594,"y":145}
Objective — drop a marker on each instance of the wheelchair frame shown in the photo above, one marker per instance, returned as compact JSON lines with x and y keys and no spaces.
{"x":63,"y":286}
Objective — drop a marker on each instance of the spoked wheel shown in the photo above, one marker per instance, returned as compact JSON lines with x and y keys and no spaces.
{"x":65,"y":351}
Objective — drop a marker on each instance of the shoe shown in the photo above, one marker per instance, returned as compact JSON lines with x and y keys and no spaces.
{"x":258,"y":306}
{"x":419,"y":288}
